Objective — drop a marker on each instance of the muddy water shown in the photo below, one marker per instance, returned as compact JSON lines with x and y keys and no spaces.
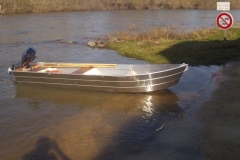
{"x":71,"y":124}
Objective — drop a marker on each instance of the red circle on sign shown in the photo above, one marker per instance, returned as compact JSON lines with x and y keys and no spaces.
{"x":224,"y":20}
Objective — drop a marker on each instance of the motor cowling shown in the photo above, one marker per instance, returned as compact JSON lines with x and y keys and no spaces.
{"x":27,"y":57}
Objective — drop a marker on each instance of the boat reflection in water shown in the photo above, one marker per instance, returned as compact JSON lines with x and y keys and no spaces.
{"x":163,"y":99}
{"x":99,"y":125}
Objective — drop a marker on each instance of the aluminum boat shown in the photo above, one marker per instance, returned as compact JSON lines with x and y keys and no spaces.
{"x":102,"y":77}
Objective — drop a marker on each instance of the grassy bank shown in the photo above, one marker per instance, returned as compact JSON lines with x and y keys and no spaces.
{"x":32,"y":6}
{"x":174,"y":45}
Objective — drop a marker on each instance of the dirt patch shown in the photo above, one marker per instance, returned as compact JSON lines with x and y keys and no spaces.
{"x":221,"y":118}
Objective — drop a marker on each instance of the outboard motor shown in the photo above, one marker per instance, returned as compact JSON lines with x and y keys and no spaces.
{"x":27,"y":57}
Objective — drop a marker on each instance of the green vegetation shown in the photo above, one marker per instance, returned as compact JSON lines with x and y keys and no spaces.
{"x":31,"y":6}
{"x":172,"y":45}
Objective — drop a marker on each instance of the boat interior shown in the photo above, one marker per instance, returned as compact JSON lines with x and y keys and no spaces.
{"x":96,"y":69}
{"x":88,"y":71}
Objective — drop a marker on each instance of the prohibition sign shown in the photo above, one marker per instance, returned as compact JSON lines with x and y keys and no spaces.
{"x":224,"y":20}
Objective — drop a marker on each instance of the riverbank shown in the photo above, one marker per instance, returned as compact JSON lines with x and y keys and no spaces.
{"x":220,"y":118}
{"x":174,"y":45}
{"x":35,"y":6}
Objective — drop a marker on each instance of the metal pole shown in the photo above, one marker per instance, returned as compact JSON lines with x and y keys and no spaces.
{"x":224,"y":30}
{"x":225,"y":35}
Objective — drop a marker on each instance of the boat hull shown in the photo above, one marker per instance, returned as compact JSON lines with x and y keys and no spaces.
{"x":121,"y":78}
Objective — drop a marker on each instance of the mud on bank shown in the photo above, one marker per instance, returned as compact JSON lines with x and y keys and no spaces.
{"x":220,"y":117}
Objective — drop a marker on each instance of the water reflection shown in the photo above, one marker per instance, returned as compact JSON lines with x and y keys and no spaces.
{"x":106,"y":125}
{"x":146,"y":101}
{"x":147,"y":108}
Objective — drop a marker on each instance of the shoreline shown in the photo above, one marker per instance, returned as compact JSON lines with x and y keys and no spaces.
{"x":220,"y":117}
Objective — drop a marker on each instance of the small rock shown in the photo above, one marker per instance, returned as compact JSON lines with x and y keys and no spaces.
{"x":69,"y":42}
{"x":99,"y":42}
{"x":91,"y":44}
{"x":101,"y":45}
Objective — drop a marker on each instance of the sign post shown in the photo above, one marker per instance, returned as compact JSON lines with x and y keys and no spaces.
{"x":224,"y":20}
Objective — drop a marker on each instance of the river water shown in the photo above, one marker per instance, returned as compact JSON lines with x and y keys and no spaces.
{"x":73,"y":124}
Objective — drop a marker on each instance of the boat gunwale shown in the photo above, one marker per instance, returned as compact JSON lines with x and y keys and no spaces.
{"x":117,"y":76}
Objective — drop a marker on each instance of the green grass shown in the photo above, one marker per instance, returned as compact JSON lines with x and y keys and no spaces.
{"x":204,"y":46}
